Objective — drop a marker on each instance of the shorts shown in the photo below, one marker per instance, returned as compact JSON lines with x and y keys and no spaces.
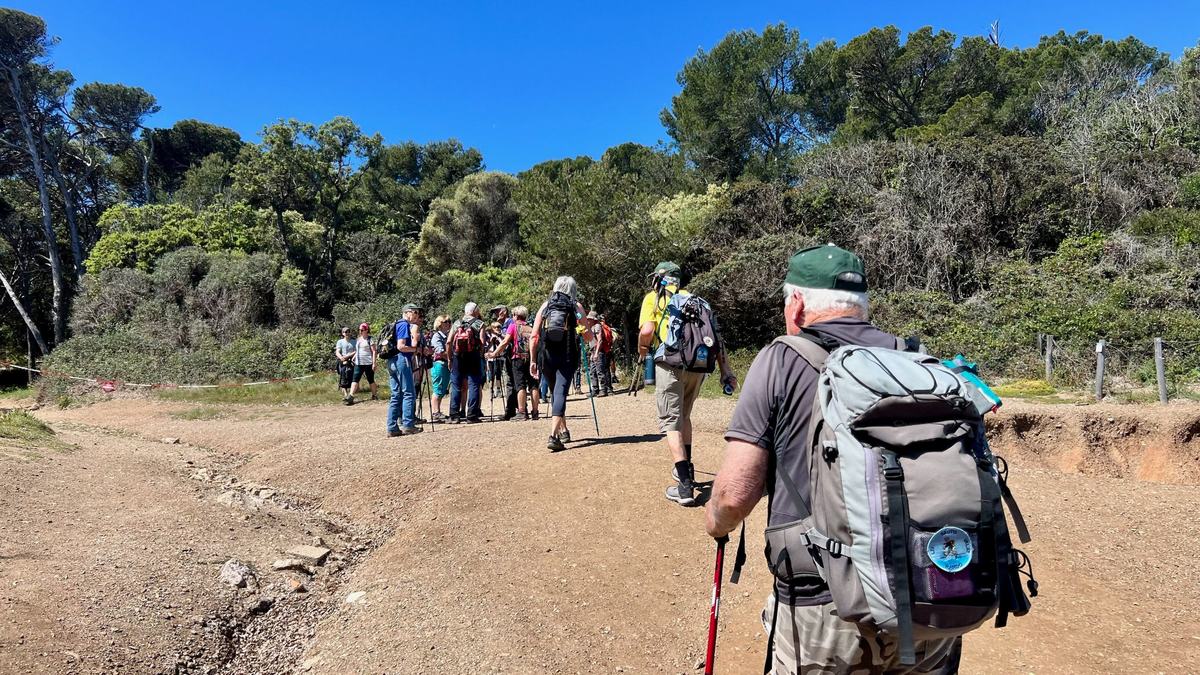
{"x":676,"y":392}
{"x":368,"y":370}
{"x":521,"y":379}
{"x":345,"y":373}
{"x":440,"y":378}
{"x":814,"y":639}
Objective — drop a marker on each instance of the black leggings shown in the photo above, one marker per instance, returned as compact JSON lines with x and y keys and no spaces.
{"x":560,"y":370}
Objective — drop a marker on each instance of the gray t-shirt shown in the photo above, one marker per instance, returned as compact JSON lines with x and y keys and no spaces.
{"x":773,"y":413}
{"x":344,"y":348}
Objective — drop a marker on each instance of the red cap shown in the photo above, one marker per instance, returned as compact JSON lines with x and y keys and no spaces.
{"x":364,"y":326}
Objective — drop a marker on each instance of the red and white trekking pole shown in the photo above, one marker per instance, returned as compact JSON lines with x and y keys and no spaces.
{"x":710,"y":656}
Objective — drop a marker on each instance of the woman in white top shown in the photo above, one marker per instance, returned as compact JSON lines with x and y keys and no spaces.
{"x":364,"y":361}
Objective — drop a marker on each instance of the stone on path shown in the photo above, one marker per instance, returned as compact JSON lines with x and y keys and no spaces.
{"x":356,"y":596}
{"x":236,"y":573}
{"x":313,"y":555}
{"x":291,"y":564}
{"x":171,"y":440}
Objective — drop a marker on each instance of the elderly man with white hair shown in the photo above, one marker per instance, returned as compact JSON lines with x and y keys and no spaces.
{"x":768,"y":438}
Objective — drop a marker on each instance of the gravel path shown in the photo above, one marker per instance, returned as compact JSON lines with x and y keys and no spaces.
{"x":473,"y":549}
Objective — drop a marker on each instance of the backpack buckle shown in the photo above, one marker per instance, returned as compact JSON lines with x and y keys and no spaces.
{"x":834,"y":548}
{"x":891,"y":467}
{"x":829,"y":451}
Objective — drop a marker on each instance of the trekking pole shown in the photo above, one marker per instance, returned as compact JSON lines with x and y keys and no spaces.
{"x":429,"y":389}
{"x":710,"y":656}
{"x":591,"y":394}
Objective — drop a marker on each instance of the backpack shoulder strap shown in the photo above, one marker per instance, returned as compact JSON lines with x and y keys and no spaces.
{"x":815,"y":354}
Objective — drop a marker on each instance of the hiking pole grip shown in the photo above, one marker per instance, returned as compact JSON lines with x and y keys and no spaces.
{"x":714,"y":612}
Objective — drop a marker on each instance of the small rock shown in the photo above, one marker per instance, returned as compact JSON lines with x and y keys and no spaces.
{"x":171,"y":440}
{"x":356,"y":597}
{"x":265,"y":493}
{"x":318,"y":542}
{"x":291,"y":564}
{"x":201,"y":474}
{"x":313,"y":555}
{"x":236,"y":573}
{"x":231,"y":498}
{"x":297,"y":586}
{"x":699,"y":664}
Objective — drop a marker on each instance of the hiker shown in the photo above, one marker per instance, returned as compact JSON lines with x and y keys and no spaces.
{"x":439,"y":374}
{"x":601,"y":355}
{"x":402,"y":404}
{"x":504,"y":317}
{"x":515,"y":349}
{"x":491,"y":339}
{"x":465,"y":349}
{"x":344,"y":352}
{"x":825,"y":295}
{"x":554,"y":337}
{"x":676,"y":387}
{"x":364,"y":362}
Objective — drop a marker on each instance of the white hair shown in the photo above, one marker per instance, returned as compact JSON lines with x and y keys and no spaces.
{"x":565,"y":284}
{"x":829,"y":300}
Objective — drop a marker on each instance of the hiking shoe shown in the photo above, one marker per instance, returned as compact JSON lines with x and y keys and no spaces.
{"x":682,"y":493}
{"x":347,"y":401}
{"x":555,"y":445}
{"x":565,"y":435}
{"x":409,"y":431}
{"x":393,"y":434}
{"x":578,"y":391}
{"x":535,"y":415}
{"x":439,"y":417}
{"x":454,"y":420}
{"x":374,"y":397}
{"x":419,"y":420}
{"x":474,"y":420}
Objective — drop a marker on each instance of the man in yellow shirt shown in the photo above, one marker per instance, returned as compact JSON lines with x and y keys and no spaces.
{"x":676,"y":389}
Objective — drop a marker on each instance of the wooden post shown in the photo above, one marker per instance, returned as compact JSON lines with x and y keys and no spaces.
{"x":1160,"y":370}
{"x":1041,"y":338}
{"x":1100,"y":370}
{"x":1049,"y":357}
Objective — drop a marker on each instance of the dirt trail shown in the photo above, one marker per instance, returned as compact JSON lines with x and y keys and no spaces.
{"x":478,"y":551}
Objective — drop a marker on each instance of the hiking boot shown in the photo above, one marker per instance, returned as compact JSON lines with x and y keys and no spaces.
{"x":409,"y":431}
{"x":565,"y":435}
{"x":393,"y":434}
{"x":682,"y":493}
{"x":535,"y":415}
{"x":555,"y":445}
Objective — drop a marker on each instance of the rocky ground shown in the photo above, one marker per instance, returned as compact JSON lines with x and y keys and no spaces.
{"x":472,"y":549}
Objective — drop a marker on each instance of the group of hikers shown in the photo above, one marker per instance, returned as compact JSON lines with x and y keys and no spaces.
{"x":886,"y":528}
{"x":524,"y":362}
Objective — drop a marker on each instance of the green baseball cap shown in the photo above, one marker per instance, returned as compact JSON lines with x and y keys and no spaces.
{"x":667,"y":267}
{"x":828,"y":267}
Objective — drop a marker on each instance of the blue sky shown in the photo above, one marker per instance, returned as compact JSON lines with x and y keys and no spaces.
{"x":521,"y":81}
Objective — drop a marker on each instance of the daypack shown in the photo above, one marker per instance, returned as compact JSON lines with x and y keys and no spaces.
{"x":466,"y":338}
{"x":521,"y":349}
{"x":606,"y":338}
{"x":906,"y":524}
{"x":692,"y":341}
{"x":385,"y":342}
{"x":558,"y":323}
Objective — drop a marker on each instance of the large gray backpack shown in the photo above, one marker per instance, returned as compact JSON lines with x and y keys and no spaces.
{"x":906,"y":523}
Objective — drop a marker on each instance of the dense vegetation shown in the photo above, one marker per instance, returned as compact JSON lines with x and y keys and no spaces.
{"x":994,"y":192}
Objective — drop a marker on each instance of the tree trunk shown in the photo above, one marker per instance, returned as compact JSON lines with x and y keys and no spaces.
{"x":146,"y":166}
{"x":69,"y":209}
{"x":58,"y":301}
{"x":33,"y":329}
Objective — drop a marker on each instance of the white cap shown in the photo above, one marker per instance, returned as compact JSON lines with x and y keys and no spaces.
{"x":470,"y":309}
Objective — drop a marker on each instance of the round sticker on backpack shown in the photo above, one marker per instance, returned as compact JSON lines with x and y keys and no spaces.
{"x":950,"y":549}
